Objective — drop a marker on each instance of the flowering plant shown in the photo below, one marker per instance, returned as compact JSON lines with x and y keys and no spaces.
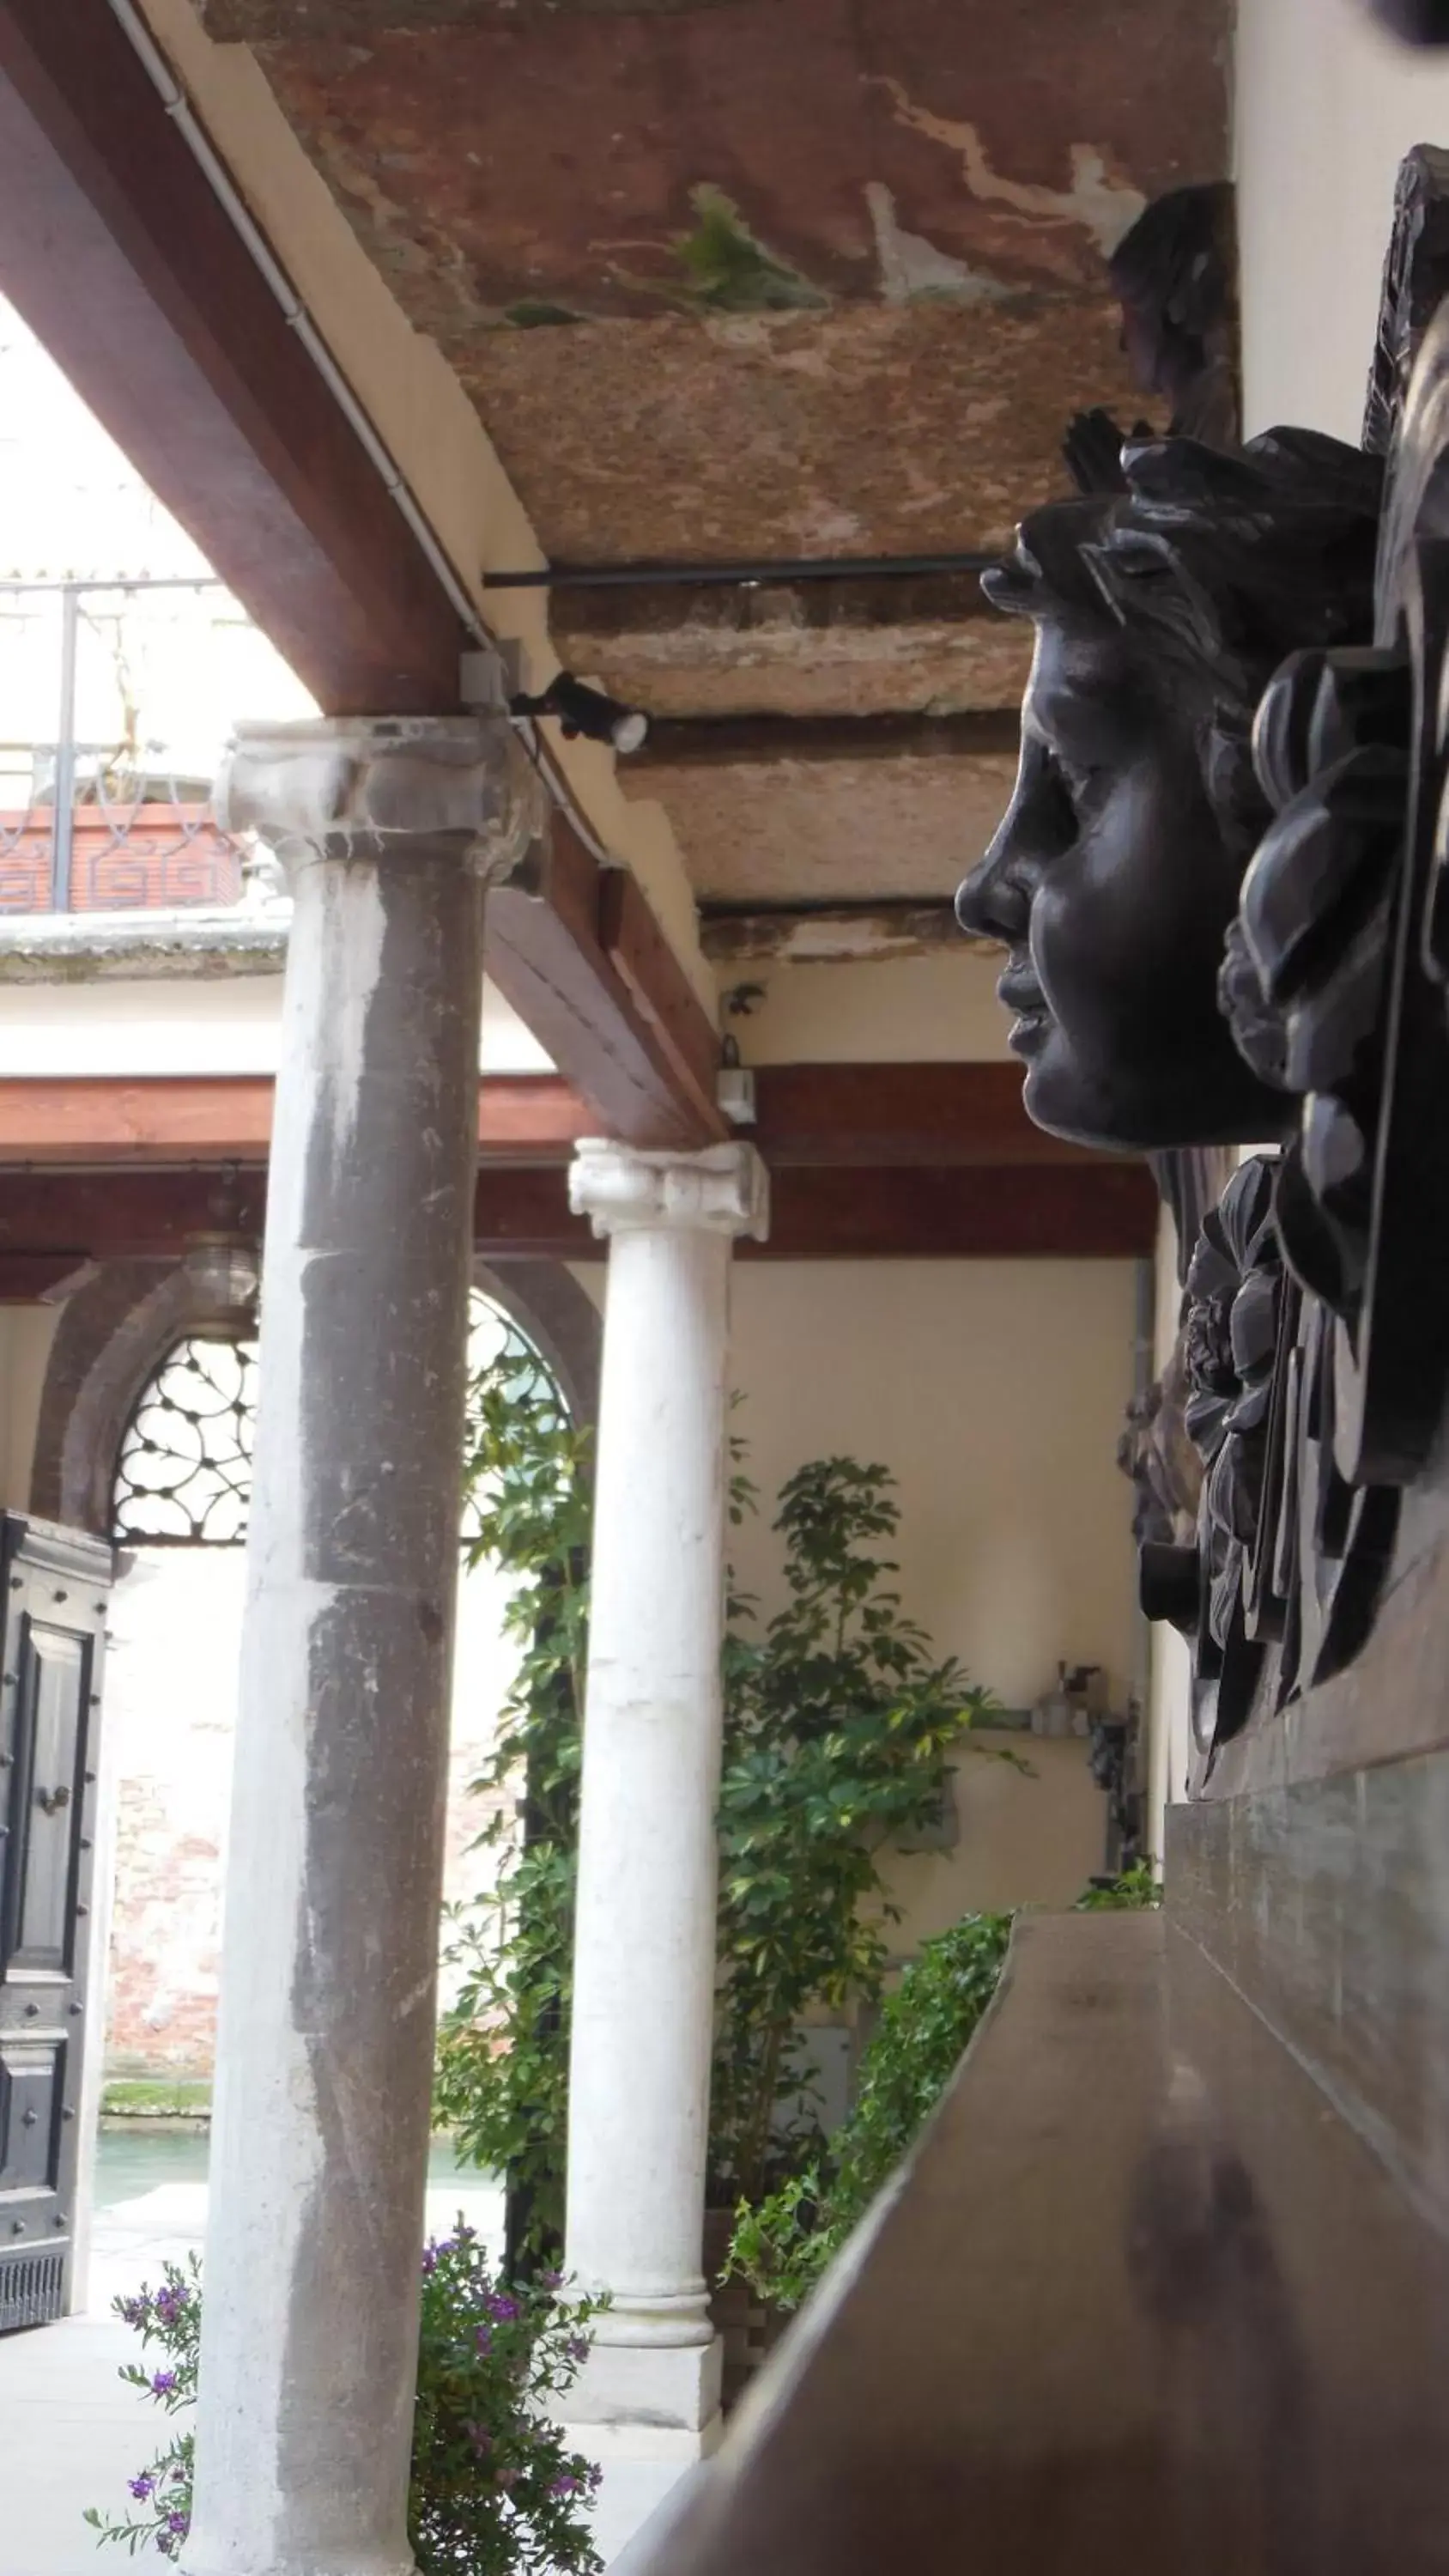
{"x":495,"y":2490}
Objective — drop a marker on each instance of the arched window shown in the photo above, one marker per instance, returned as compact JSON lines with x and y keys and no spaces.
{"x":184,"y":1472}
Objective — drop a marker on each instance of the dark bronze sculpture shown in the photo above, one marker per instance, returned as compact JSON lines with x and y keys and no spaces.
{"x":1160,"y":617}
{"x":1174,"y":275}
{"x":1224,"y":883}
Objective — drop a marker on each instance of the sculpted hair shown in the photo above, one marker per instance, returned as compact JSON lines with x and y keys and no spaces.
{"x":1220,"y":564}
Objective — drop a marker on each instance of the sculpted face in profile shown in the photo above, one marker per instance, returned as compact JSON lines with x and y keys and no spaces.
{"x":1113,"y":879}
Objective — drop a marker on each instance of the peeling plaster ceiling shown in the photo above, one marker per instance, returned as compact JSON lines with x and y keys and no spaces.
{"x":758,"y":278}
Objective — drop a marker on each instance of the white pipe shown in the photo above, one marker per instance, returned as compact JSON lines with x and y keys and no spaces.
{"x":178,"y":107}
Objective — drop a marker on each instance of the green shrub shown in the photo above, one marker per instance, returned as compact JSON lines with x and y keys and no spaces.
{"x":783,"y":2246}
{"x":494,"y":2490}
{"x":1131,"y":1890}
{"x":839,"y":1728}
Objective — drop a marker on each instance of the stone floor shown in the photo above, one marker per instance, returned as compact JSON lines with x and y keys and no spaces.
{"x":70,"y":2432}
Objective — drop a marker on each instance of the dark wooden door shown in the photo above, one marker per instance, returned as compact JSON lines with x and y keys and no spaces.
{"x":53,"y":1593}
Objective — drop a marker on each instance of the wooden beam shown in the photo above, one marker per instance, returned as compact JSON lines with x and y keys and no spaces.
{"x":945,"y":1115}
{"x":227,"y":1118}
{"x":1070,"y":1212}
{"x":1087,"y":1211}
{"x":662,"y":993}
{"x":122,"y":259}
{"x":940,"y":1116}
{"x":836,"y":934}
{"x":31,"y":1278}
{"x":713,"y":742}
{"x":546,"y":953}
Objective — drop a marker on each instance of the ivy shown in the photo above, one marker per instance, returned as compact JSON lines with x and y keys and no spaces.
{"x":839,"y":1729}
{"x":783,"y":2245}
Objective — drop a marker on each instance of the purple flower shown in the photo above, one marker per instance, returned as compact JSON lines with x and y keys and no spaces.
{"x":430,"y":2260}
{"x":566,"y":2486}
{"x":505,"y":2309}
{"x":596,"y":2479}
{"x":551,"y":2280}
{"x":484,"y":2338}
{"x":577,"y":2347}
{"x":479,"y":2436}
{"x":142,"y":2487}
{"x":164,"y":2382}
{"x":180,"y":2523}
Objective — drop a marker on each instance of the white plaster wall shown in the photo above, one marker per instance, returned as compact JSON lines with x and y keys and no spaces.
{"x":1325,"y":108}
{"x":171,"y":1688}
{"x":187,"y":1025}
{"x":1169,"y":1695}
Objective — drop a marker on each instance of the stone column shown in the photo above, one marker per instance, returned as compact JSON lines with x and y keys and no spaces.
{"x":387,"y":829}
{"x":645,"y":1931}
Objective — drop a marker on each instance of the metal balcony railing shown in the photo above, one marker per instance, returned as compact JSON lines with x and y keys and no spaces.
{"x":115,"y":699}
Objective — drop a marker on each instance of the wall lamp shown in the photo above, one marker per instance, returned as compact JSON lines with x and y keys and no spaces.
{"x":582,"y":710}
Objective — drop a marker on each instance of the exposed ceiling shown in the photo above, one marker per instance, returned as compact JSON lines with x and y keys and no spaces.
{"x":762,"y":279}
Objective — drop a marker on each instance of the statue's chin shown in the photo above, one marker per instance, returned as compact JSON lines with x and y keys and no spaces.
{"x":1212,"y":1102}
{"x":1057,"y":1098}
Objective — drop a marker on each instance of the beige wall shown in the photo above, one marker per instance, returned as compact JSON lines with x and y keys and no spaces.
{"x":1325,"y":108}
{"x":26,"y":1334}
{"x":912,"y":1010}
{"x":994,"y":1390}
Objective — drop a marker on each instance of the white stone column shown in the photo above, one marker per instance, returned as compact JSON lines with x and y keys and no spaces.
{"x":320,"y":2135}
{"x":644,"y":1949}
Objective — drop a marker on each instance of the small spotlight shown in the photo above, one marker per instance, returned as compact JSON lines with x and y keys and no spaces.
{"x":582,"y":710}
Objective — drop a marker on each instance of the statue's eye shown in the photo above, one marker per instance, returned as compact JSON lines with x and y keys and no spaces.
{"x":1077,"y":777}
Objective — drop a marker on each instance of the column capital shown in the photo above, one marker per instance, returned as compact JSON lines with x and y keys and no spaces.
{"x":366,"y":787}
{"x":725,"y":1189}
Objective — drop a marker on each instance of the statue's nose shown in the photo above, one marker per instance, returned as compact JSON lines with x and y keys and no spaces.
{"x":992,"y":902}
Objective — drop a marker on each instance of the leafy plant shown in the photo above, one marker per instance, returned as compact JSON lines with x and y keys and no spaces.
{"x":1132,"y":1889}
{"x":728,"y":270}
{"x":783,"y":2245}
{"x":494,"y":2491}
{"x":838,"y":1727}
{"x":502,"y":2065}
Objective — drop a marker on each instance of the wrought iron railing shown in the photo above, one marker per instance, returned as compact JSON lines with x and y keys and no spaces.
{"x":114,"y":699}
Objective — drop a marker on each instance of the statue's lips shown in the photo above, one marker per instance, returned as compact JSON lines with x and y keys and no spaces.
{"x":1019,"y":990}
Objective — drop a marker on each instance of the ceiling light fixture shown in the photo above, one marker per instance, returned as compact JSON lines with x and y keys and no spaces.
{"x":223,"y":1269}
{"x":582,"y":710}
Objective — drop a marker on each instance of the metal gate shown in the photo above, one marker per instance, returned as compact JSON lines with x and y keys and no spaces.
{"x":54,"y":1585}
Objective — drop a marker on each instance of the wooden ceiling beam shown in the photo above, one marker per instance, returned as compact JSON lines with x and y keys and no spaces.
{"x":1101,"y":1211}
{"x":227,"y":1118}
{"x":934,"y":1116}
{"x":713,"y":742}
{"x":123,"y":260}
{"x":946,"y":1115}
{"x":621,"y":1022}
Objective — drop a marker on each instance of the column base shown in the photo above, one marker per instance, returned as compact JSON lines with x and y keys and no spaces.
{"x":648,"y":2415}
{"x":664,"y":2387}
